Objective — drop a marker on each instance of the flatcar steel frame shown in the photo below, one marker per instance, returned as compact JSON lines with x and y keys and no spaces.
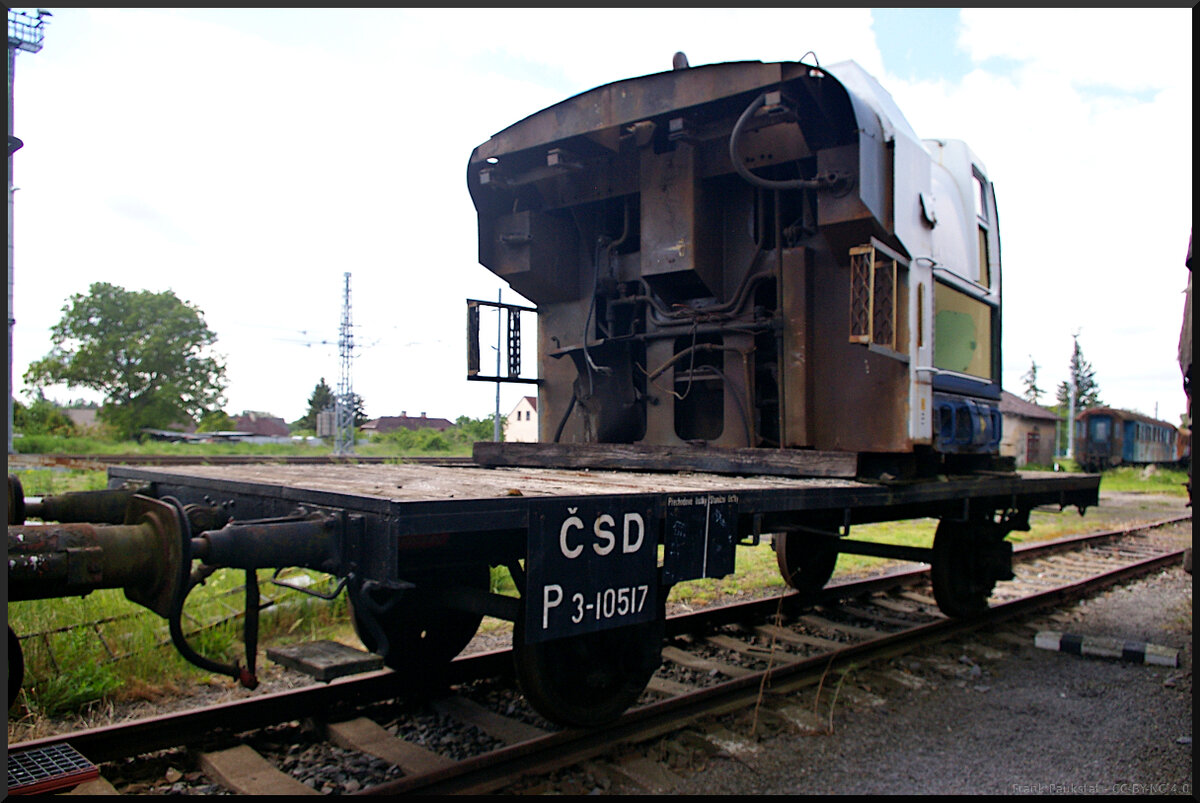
{"x":593,"y":554}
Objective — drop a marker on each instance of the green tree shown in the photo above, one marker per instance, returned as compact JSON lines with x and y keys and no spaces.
{"x":1033,"y":393}
{"x":41,"y":417}
{"x":469,"y":430}
{"x":148,"y":353}
{"x":1087,"y":393}
{"x":320,"y":400}
{"x":1087,"y":390}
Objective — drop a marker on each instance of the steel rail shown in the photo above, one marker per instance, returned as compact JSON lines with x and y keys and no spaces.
{"x":111,"y":742}
{"x":904,"y":574}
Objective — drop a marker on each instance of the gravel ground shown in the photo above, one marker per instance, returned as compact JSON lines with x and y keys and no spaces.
{"x":995,"y":715}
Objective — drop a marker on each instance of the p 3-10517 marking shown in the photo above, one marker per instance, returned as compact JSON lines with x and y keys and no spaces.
{"x":608,"y":603}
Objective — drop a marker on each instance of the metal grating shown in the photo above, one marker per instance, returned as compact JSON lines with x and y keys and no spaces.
{"x":514,"y":342}
{"x":46,"y":769}
{"x":861,"y":266}
{"x":873,"y":296}
{"x":883,"y":303}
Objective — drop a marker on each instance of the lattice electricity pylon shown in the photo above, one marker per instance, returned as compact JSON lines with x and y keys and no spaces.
{"x":343,"y":437}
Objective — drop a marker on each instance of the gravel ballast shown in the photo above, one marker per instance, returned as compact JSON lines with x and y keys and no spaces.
{"x":992,"y":714}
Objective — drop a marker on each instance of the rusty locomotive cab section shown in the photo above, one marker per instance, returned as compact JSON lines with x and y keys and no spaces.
{"x":766,"y":311}
{"x":752,"y":255}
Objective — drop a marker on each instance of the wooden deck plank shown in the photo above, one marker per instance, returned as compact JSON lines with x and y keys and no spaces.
{"x":780,"y":462}
{"x":412,"y":483}
{"x":324,"y":659}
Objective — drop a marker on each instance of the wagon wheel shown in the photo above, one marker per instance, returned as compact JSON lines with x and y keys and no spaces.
{"x":806,"y":561}
{"x":968,"y":559}
{"x":588,"y":680}
{"x":16,"y":667}
{"x":411,"y":631}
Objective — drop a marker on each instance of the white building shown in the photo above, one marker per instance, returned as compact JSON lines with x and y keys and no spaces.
{"x":522,"y":423}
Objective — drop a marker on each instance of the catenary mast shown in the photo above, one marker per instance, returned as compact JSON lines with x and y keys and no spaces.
{"x":25,"y":32}
{"x":343,"y":438}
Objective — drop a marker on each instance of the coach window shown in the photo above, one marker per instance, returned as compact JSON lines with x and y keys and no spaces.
{"x":982,"y":221}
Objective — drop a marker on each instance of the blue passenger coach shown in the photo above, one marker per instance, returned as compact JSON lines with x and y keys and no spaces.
{"x":1108,"y":437}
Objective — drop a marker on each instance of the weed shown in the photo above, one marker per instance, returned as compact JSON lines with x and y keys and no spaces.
{"x":49,"y":482}
{"x":80,"y":678}
{"x":502,"y":582}
{"x":79,"y":650}
{"x":837,"y":690}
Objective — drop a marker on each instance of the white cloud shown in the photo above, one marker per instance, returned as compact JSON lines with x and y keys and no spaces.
{"x":1124,"y":48}
{"x":1089,"y":142}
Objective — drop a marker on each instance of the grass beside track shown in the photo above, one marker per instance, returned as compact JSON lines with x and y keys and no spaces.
{"x":80,"y":651}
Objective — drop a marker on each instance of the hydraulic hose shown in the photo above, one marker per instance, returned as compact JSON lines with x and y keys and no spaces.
{"x":244,"y":676}
{"x":758,"y":181}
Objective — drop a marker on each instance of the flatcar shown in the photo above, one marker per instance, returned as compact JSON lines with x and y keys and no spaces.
{"x":757,"y":265}
{"x":752,"y":255}
{"x":1106,"y":437}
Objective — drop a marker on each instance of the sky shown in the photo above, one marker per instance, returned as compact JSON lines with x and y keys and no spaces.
{"x":248,"y":159}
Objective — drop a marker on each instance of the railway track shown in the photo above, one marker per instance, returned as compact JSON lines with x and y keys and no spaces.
{"x":473,"y":732}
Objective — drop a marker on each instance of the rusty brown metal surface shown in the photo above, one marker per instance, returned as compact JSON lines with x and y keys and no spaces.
{"x":54,"y":560}
{"x":142,"y":556}
{"x":683,"y":297}
{"x":599,"y":112}
{"x":91,"y":506}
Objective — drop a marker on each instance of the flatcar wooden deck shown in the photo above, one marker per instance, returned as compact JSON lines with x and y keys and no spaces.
{"x":423,"y":483}
{"x":426,"y":498}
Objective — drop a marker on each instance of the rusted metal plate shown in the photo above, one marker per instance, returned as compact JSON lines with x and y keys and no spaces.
{"x":630,"y":101}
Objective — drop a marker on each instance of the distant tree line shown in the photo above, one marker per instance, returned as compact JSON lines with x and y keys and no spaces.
{"x":1087,"y":390}
{"x":150,"y":356}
